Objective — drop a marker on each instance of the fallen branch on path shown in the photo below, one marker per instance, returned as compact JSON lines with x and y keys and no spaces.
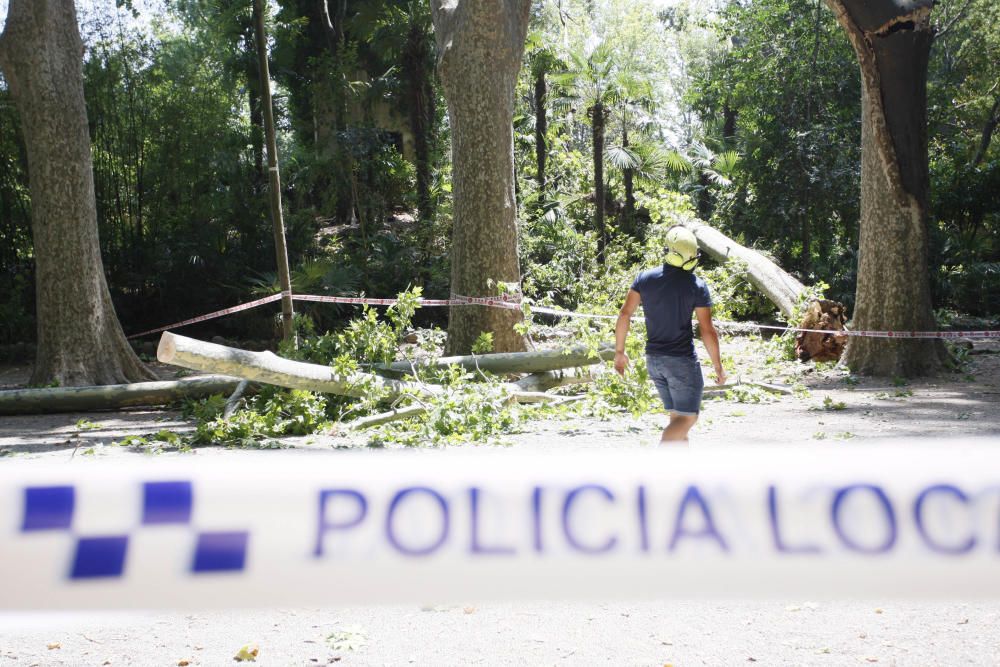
{"x":718,"y":389}
{"x":512,"y":362}
{"x":552,"y":379}
{"x":386,"y":417}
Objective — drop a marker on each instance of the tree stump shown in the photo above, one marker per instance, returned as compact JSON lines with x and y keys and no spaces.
{"x":828,"y":316}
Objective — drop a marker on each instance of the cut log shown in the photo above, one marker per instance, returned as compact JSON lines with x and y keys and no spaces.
{"x":269,"y":368}
{"x":512,"y":362}
{"x":113,"y":396}
{"x":782,"y":289}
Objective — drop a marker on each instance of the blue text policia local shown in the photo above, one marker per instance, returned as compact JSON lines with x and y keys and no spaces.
{"x":691,"y":520}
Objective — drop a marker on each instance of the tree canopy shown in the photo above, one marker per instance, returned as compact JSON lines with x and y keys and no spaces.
{"x":744,"y":114}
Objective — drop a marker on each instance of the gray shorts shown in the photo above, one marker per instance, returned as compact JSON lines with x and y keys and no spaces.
{"x":679,"y":382}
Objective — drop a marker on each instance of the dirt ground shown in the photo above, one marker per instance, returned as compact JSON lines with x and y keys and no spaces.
{"x":836,"y":408}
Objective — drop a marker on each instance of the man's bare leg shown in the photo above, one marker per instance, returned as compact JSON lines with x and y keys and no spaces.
{"x":677,"y":429}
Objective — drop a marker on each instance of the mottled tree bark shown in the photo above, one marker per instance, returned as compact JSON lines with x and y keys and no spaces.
{"x":80,"y":341}
{"x":892,"y":40}
{"x":480,"y":44}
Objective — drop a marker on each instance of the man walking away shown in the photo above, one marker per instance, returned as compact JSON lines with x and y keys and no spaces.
{"x":669,"y":295}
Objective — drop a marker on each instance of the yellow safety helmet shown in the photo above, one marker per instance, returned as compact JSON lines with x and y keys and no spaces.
{"x":682,"y":248}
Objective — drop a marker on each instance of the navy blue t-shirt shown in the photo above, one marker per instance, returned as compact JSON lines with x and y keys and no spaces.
{"x":669,"y":297}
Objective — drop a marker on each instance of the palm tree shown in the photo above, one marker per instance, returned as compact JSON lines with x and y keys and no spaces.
{"x":707,"y":168}
{"x":543,"y":61}
{"x":641,"y":159}
{"x":642,"y":162}
{"x":594,"y":82}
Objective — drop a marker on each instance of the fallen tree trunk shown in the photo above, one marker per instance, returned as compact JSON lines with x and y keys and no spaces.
{"x":512,"y":362}
{"x":113,"y":396}
{"x":782,"y":289}
{"x":269,"y":368}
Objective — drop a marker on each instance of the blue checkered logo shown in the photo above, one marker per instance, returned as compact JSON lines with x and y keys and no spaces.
{"x":51,"y":508}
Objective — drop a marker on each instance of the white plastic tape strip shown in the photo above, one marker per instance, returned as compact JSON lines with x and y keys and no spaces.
{"x":861,"y":520}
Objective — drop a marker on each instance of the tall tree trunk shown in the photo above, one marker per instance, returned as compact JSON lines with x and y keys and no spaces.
{"x":992,"y":122}
{"x":628,"y":181}
{"x":274,"y":176}
{"x":480,"y":44}
{"x":420,"y":92}
{"x":704,"y":196}
{"x":598,"y":117}
{"x":805,"y":223}
{"x":541,"y":127}
{"x":80,"y":341}
{"x":728,"y":125}
{"x":252,"y":74}
{"x":892,"y":40}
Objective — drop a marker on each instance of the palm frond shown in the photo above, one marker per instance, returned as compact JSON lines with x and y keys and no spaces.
{"x":677,"y":163}
{"x":726,"y":162}
{"x":717,"y":178}
{"x":622,"y":158}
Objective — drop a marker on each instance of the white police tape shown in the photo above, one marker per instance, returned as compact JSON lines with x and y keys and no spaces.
{"x":912,"y":520}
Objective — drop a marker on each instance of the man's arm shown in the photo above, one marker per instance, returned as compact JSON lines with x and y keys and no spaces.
{"x":710,"y":339}
{"x":632,"y":301}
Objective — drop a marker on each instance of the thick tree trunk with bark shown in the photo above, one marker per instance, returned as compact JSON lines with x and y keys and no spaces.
{"x":80,"y":341}
{"x":892,"y":41}
{"x":480,"y":44}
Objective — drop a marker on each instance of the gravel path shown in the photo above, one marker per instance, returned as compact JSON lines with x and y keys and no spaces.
{"x":710,"y":632}
{"x":647,"y":633}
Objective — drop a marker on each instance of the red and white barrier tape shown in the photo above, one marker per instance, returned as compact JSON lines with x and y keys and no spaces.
{"x":211,"y":316}
{"x":873,"y":334}
{"x":512,"y":302}
{"x":508,"y":302}
{"x":861,"y":334}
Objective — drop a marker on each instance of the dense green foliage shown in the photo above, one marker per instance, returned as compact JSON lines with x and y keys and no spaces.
{"x":743,"y":113}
